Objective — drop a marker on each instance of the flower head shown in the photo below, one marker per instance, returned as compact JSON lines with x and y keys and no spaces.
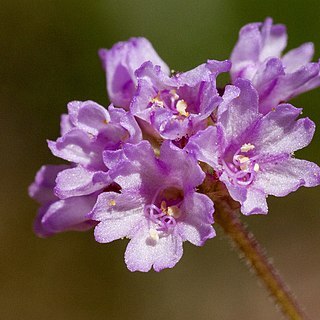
{"x":257,"y":56}
{"x":136,"y":170}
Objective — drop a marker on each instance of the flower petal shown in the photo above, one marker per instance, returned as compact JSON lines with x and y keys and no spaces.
{"x":298,"y":57}
{"x":42,"y":187}
{"x":64,"y":215}
{"x":238,"y":112}
{"x":128,"y":122}
{"x":65,"y":124}
{"x":279,"y":131}
{"x":121,"y":61}
{"x":79,"y":181}
{"x":196,"y":225}
{"x":283,"y":177}
{"x":290,"y":85}
{"x":255,"y":202}
{"x":143,"y":252}
{"x":183,"y":168}
{"x":267,"y":76}
{"x":274,"y":39}
{"x":77,"y":146}
{"x":119,"y":215}
{"x":246,"y":51}
{"x":205,"y":145}
{"x":92,"y":117}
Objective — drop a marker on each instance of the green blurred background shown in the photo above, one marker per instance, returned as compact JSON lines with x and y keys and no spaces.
{"x":48,"y":56}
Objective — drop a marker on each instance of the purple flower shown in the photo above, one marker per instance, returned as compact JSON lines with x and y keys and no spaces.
{"x":257,"y":56}
{"x":177,"y":106}
{"x":158,"y":207}
{"x":253,"y":153}
{"x":88,"y":130}
{"x":120,"y":63}
{"x":56,"y":215}
{"x":67,"y":193}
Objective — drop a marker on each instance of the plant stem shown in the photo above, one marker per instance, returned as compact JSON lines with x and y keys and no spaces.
{"x":227,"y":216}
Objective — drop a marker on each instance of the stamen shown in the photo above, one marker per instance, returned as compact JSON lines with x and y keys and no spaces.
{"x":244,"y":178}
{"x":243,"y":159}
{"x":153,"y":212}
{"x":157,"y":101}
{"x":256,"y":167}
{"x":163,"y":206}
{"x":112,"y":203}
{"x":181,"y":107}
{"x":247,"y":147}
{"x":174,"y":94}
{"x":174,"y":212}
{"x":154,"y":235}
{"x":168,"y":222}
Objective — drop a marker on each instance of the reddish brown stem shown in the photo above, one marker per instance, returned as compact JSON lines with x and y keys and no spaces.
{"x":227,"y":216}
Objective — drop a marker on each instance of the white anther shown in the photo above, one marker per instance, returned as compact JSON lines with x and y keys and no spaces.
{"x":181,"y":107}
{"x":256,"y":167}
{"x":247,"y":147}
{"x":242,"y":159}
{"x":154,"y":235}
{"x":157,"y":101}
{"x":174,"y":212}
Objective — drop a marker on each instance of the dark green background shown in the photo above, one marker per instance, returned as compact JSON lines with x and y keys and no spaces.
{"x":48,"y":56}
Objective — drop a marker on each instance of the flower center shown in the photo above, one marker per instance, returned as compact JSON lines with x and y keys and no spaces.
{"x":243,"y":167}
{"x":164,"y":210}
{"x":171,"y":100}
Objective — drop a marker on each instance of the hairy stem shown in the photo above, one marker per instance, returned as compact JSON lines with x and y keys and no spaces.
{"x":227,"y":216}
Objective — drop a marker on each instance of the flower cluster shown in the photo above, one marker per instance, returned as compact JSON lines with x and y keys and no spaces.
{"x":137,"y":168}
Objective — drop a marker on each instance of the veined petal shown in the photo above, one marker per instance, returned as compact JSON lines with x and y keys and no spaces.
{"x":255,"y":202}
{"x":298,"y":57}
{"x":238,"y":113}
{"x":184,"y":169}
{"x":267,"y":76}
{"x":274,"y":39}
{"x":196,"y":225}
{"x":120,"y":63}
{"x":79,"y":181}
{"x":279,"y":131}
{"x":289,"y":85}
{"x":128,"y":122}
{"x":65,"y":124}
{"x":42,"y":187}
{"x":286,"y":176}
{"x":119,"y":214}
{"x":143,"y":252}
{"x":73,"y":110}
{"x":77,"y":146}
{"x":92,"y":117}
{"x":246,"y":49}
{"x":238,"y":193}
{"x":205,"y":145}
{"x":64,"y":215}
